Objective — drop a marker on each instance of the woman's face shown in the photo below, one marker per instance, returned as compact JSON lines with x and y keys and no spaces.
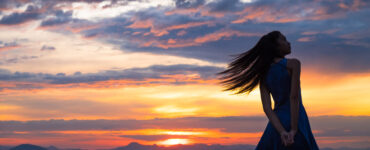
{"x":284,"y":45}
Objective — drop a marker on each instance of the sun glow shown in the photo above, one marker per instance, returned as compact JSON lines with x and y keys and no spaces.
{"x":182,"y":133}
{"x":174,"y":142}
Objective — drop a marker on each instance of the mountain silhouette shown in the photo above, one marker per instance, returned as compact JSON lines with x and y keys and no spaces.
{"x":28,"y":147}
{"x":34,"y":147}
{"x":137,"y":146}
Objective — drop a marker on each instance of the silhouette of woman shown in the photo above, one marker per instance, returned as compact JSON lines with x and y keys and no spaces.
{"x":265,"y":65}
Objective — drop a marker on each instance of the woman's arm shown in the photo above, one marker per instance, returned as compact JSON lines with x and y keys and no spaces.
{"x":266,"y":102}
{"x":295,"y":67}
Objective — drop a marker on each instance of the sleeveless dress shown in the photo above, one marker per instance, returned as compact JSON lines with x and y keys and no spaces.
{"x":278,"y":83}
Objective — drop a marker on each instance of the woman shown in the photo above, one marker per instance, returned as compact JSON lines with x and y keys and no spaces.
{"x":265,"y":65}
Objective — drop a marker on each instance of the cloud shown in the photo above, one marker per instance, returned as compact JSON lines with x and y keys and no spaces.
{"x":225,"y":5}
{"x":136,"y":74}
{"x":60,"y":18}
{"x":19,"y":59}
{"x":47,"y":48}
{"x":188,"y":3}
{"x":341,"y":125}
{"x":9,"y":4}
{"x":37,"y":10}
{"x":213,"y":39}
{"x":212,"y":30}
{"x":47,"y":108}
{"x":8,"y":45}
{"x":31,"y":13}
{"x":220,"y":34}
{"x":327,"y":126}
{"x":306,"y":39}
{"x":177,"y":123}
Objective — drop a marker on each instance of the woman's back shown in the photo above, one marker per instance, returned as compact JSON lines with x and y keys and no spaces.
{"x":278,"y":82}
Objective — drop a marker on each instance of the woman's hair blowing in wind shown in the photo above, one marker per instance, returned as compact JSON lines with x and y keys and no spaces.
{"x":249,"y":68}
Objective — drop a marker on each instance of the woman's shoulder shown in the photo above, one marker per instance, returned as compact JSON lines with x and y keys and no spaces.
{"x":292,"y":63}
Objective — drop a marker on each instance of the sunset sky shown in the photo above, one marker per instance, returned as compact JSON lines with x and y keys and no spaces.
{"x":101,"y":74}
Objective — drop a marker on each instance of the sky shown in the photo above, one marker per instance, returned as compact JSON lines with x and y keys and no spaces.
{"x":104,"y":73}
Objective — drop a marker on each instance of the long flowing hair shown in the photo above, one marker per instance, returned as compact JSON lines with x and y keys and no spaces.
{"x":247,"y":69}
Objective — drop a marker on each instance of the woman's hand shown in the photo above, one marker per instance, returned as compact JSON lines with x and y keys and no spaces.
{"x":287,"y":138}
{"x":291,"y":135}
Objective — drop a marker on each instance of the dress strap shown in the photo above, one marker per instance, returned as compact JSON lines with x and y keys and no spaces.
{"x":281,"y":61}
{"x":284,"y":61}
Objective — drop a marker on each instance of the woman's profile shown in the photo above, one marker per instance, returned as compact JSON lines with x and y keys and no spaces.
{"x":265,"y":65}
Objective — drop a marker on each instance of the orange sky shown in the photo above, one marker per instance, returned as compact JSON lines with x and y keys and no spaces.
{"x":104,"y":74}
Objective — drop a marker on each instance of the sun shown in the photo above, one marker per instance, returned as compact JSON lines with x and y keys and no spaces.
{"x":174,"y":141}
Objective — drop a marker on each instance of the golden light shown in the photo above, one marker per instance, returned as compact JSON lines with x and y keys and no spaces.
{"x":174,"y":109}
{"x":182,"y":133}
{"x":174,"y":142}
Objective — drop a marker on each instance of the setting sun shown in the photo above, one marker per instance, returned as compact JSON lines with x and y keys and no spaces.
{"x":174,"y":142}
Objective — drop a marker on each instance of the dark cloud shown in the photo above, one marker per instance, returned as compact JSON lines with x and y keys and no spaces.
{"x":8,"y":45}
{"x":9,"y":4}
{"x":188,"y":3}
{"x":61,"y":17}
{"x":47,"y":48}
{"x":18,"y":59}
{"x":225,"y":6}
{"x":215,"y":51}
{"x":31,"y":13}
{"x":91,"y":35}
{"x":12,"y":60}
{"x":156,"y":71}
{"x":7,"y":75}
{"x":138,"y":74}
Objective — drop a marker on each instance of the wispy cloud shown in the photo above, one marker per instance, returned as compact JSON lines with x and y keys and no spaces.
{"x":156,"y":71}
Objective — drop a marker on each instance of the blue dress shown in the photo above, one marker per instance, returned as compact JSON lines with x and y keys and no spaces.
{"x":278,"y":83}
